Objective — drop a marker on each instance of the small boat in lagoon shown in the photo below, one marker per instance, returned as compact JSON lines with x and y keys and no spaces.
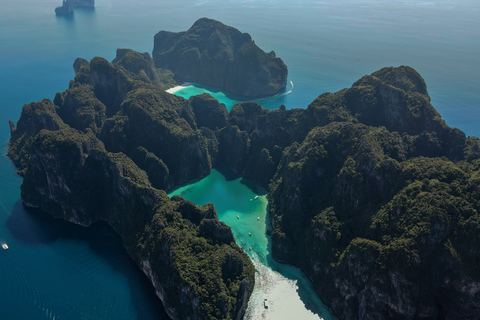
{"x":4,"y":246}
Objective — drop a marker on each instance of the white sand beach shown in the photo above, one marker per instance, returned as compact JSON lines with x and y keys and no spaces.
{"x":184,"y":85}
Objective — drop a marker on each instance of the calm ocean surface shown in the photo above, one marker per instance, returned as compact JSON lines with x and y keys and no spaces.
{"x":54,"y":270}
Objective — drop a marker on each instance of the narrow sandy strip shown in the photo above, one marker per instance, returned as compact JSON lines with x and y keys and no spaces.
{"x":184,"y":85}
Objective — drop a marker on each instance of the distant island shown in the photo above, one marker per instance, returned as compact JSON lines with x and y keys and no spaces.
{"x":371,"y":194}
{"x":68,"y":6}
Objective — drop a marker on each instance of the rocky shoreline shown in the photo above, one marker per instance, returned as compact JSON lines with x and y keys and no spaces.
{"x":371,"y":194}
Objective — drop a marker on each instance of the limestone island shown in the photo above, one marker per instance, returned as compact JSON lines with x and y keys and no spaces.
{"x":217,"y":55}
{"x":371,"y":193}
{"x":68,"y":6}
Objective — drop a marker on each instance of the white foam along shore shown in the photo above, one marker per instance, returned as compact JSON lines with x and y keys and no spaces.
{"x":180,"y":87}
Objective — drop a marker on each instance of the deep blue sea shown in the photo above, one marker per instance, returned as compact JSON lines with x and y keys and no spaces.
{"x":54,"y":270}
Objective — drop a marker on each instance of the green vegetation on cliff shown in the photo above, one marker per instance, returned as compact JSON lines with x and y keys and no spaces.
{"x":98,"y":153}
{"x":214,"y":54}
{"x":371,"y":193}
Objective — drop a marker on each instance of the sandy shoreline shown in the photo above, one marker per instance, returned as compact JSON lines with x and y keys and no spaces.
{"x":183,"y":85}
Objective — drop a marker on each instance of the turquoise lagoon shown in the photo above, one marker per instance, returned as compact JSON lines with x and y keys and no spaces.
{"x":228,"y":99}
{"x":55,"y":270}
{"x":242,"y":205}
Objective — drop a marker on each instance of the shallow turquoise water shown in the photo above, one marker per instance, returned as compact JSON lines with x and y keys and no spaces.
{"x":55,"y":270}
{"x":229,"y":100}
{"x":287,"y":290}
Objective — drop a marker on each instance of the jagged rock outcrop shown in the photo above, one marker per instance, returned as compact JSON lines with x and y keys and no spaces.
{"x":111,"y":84}
{"x":209,"y":112}
{"x":35,"y":117}
{"x":214,"y":54}
{"x":361,"y":201}
{"x":370,"y":192}
{"x":68,"y":6}
{"x":139,"y":64}
{"x":80,"y":109}
{"x":72,"y":174}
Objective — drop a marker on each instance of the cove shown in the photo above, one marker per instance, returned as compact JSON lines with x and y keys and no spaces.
{"x":288,"y":291}
{"x":229,"y":99}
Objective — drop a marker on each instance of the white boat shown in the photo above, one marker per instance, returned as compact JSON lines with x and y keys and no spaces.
{"x":258,"y":218}
{"x":4,"y":246}
{"x":256,"y":197}
{"x":250,"y":234}
{"x":238,"y":217}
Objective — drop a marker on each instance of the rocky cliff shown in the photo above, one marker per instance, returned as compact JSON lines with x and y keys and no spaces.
{"x":68,"y":6}
{"x":76,"y":152}
{"x":214,"y":54}
{"x":370,"y":192}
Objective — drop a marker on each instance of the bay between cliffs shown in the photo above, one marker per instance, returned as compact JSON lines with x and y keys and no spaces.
{"x":188,"y":89}
{"x":288,"y":292}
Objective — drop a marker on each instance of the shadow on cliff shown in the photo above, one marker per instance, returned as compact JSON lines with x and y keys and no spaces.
{"x":35,"y":228}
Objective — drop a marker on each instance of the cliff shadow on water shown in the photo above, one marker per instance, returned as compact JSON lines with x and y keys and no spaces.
{"x":230,"y":175}
{"x":32,"y":228}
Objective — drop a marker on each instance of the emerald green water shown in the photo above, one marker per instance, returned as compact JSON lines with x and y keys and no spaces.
{"x":229,"y":99}
{"x":196,"y":89}
{"x":290,"y":294}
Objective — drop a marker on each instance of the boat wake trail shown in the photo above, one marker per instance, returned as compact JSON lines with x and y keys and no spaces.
{"x":289,"y":91}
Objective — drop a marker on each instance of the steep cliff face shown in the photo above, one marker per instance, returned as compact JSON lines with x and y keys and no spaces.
{"x":371,"y":193}
{"x":35,"y":117}
{"x":360,"y":201}
{"x":76,"y":157}
{"x":68,"y":6}
{"x":376,"y":227}
{"x":214,"y":54}
{"x":122,"y":102}
{"x":139,"y":64}
{"x":71,"y":176}
{"x":111,"y":84}
{"x":374,"y":243}
{"x":148,"y":120}
{"x":80,"y":109}
{"x":209,"y":112}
